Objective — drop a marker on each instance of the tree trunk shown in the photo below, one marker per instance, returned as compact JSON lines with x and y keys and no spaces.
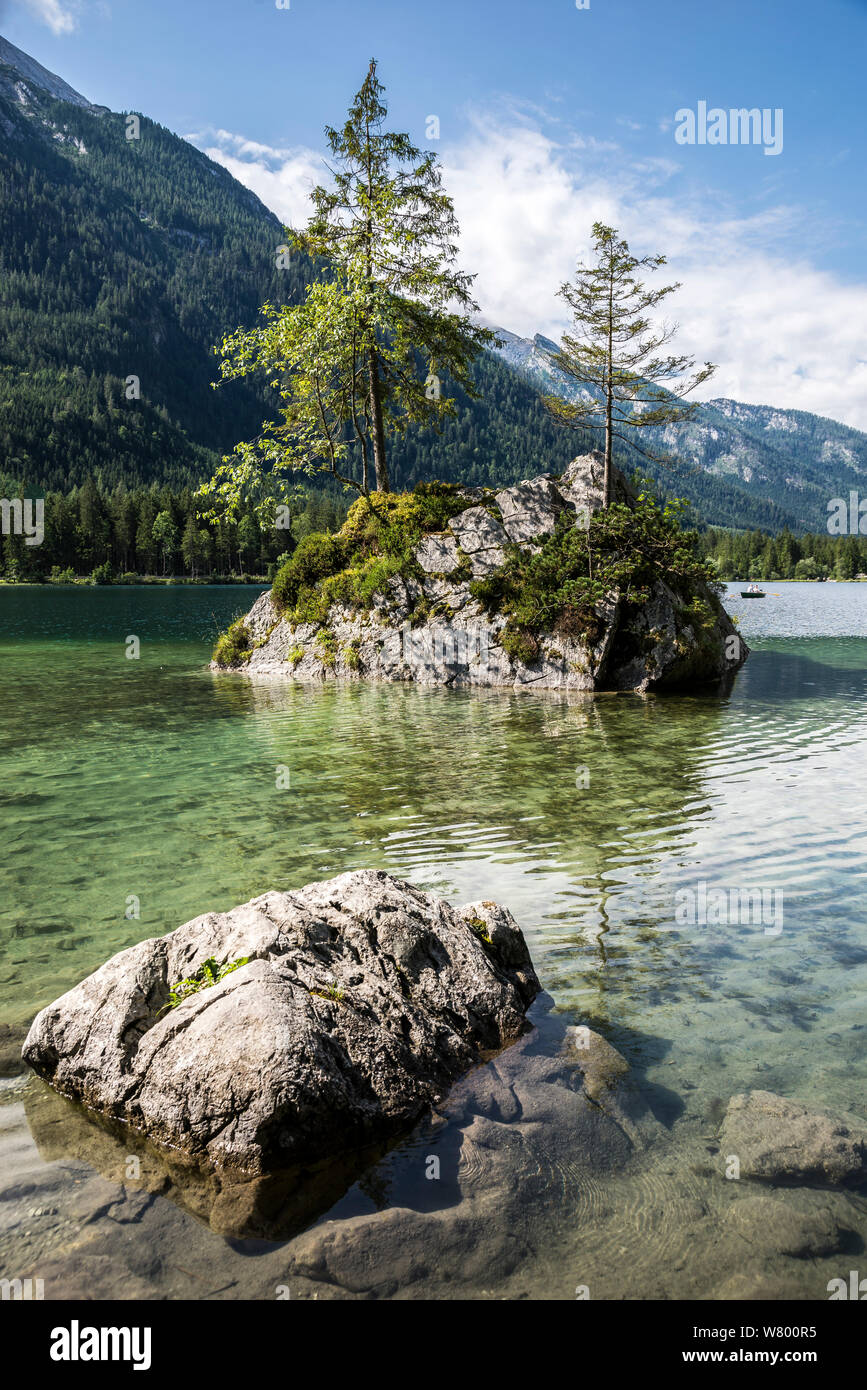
{"x":380,"y":463}
{"x":606,"y":486}
{"x":609,"y":394}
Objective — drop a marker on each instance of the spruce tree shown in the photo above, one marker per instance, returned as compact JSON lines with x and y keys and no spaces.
{"x":614,"y":351}
{"x":362,"y":357}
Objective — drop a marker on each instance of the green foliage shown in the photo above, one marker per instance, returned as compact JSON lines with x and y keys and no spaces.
{"x":559,"y":589}
{"x":128,"y":259}
{"x":316,"y":557}
{"x":113,"y":532}
{"x":295,"y":654}
{"x":352,"y":655}
{"x":234,"y":647}
{"x":357,"y":360}
{"x":616,"y":353}
{"x":327,"y":644}
{"x":102,"y":574}
{"x":375,"y":544}
{"x":207,"y":975}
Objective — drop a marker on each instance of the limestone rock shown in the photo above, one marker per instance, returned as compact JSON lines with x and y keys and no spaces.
{"x":582,"y":484}
{"x":430,"y":629}
{"x":530,"y":509}
{"x":438,"y":554}
{"x":482,"y":538}
{"x":362,"y":1001}
{"x":793,"y":1224}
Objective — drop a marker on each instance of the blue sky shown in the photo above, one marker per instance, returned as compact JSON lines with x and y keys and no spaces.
{"x":550,"y":116}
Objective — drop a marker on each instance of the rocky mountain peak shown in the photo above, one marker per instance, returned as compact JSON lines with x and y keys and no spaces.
{"x":34,"y":72}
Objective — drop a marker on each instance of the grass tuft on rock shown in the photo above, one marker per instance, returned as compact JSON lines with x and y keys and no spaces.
{"x":234,"y":647}
{"x":208,"y":974}
{"x":480,"y":928}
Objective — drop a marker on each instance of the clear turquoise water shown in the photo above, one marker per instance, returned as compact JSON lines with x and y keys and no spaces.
{"x":156,"y":779}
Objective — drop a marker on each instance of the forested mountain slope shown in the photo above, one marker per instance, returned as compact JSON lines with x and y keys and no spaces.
{"x":124,"y":260}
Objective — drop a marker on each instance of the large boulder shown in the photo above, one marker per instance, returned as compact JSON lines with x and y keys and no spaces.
{"x":528,"y":1130}
{"x":361,"y":1000}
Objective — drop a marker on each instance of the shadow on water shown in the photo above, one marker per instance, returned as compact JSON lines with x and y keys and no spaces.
{"x":776,"y":675}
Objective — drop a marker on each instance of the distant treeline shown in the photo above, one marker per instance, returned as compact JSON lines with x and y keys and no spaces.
{"x":756,"y":555}
{"x":109,"y":535}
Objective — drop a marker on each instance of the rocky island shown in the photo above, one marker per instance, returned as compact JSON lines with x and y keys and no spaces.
{"x":534,"y":586}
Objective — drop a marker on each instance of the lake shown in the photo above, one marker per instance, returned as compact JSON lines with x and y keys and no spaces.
{"x":141,"y":792}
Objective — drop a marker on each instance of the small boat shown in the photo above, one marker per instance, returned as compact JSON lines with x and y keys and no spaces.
{"x":752,"y":592}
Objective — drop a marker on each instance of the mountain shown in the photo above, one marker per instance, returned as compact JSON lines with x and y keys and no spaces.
{"x":740,"y":465}
{"x":26,"y":67}
{"x":123,"y":261}
{"x":120,"y":259}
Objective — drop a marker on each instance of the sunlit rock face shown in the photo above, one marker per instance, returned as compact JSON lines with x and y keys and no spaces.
{"x":354,"y":1005}
{"x":460,"y":641}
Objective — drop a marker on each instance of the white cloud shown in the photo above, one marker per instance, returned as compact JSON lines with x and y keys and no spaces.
{"x":60,"y":18}
{"x":783,"y":331}
{"x":282,"y":178}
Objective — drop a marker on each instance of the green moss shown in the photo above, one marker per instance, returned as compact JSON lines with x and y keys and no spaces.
{"x":480,"y":927}
{"x":314,"y":558}
{"x":463,"y":571}
{"x":327,"y":645}
{"x":520,"y":644}
{"x":233,"y":647}
{"x":295,"y":654}
{"x":352,"y":655}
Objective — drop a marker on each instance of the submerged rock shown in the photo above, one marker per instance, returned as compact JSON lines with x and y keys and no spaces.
{"x":354,"y":1005}
{"x":427,"y":626}
{"x":780,"y":1140}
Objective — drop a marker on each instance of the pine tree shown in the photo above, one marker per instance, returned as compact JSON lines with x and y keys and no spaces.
{"x":361,"y":358}
{"x":614,"y":349}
